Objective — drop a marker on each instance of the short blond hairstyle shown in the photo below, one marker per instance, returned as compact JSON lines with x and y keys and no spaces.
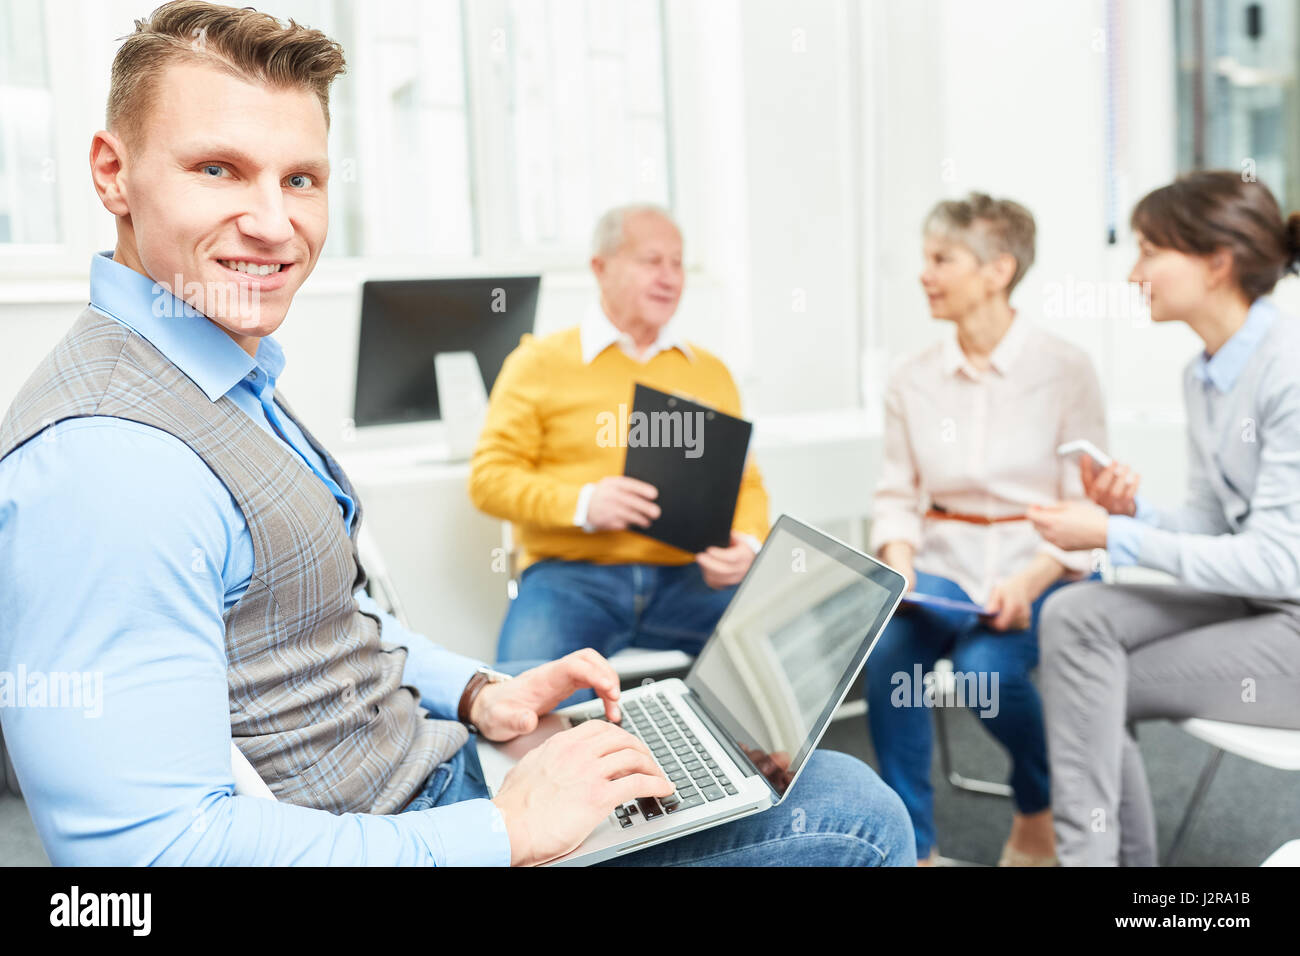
{"x":241,"y":41}
{"x":988,"y":227}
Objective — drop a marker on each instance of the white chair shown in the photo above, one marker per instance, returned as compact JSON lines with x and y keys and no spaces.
{"x":1288,"y":854}
{"x":1270,"y":746}
{"x":247,"y":782}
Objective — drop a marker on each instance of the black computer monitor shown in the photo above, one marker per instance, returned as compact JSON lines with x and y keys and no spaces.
{"x":406,"y":322}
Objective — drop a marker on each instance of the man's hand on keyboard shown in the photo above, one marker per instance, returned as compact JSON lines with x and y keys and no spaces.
{"x":561,"y":790}
{"x":510,"y":709}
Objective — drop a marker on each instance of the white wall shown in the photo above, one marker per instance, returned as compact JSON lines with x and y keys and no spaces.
{"x":809,"y":139}
{"x":801,"y":170}
{"x":1007,"y":97}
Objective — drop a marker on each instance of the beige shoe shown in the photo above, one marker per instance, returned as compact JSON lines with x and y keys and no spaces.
{"x":1013,"y":857}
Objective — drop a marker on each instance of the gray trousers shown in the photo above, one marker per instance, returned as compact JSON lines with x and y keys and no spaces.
{"x":1114,"y":654}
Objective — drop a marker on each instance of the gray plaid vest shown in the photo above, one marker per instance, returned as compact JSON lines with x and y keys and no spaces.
{"x":316,"y":699}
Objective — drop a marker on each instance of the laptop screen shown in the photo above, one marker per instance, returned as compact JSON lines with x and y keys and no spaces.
{"x":790,"y":643}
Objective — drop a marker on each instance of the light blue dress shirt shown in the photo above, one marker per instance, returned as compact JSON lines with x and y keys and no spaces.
{"x":121,"y":552}
{"x":1216,"y":376}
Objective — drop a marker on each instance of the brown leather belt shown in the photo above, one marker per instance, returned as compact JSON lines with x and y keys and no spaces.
{"x":937,"y":513}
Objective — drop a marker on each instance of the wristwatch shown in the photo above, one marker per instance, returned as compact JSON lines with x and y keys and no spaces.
{"x":482,"y":677}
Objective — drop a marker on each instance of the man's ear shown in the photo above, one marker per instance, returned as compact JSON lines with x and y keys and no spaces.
{"x":597,"y":266}
{"x":107,"y":168}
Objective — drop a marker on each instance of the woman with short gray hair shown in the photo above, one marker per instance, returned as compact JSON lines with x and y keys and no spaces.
{"x":971,"y":429}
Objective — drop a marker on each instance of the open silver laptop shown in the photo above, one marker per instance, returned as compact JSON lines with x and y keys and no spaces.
{"x":735,"y":734}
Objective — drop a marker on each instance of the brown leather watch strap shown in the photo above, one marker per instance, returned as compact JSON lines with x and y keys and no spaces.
{"x":476,"y":684}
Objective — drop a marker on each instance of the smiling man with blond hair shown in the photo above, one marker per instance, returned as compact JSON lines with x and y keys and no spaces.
{"x":166,"y":522}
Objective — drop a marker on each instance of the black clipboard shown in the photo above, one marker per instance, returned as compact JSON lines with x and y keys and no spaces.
{"x":695,"y":456}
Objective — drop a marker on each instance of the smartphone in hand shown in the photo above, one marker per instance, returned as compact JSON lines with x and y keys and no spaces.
{"x":1085,"y":447}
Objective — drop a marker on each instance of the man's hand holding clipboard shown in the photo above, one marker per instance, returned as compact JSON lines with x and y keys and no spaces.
{"x":680,"y":481}
{"x":620,"y":503}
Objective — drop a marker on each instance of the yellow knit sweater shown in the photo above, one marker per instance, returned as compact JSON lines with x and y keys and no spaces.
{"x":547,"y":435}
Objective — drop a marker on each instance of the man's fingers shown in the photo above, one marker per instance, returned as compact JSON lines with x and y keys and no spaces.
{"x":524,"y":721}
{"x":582,"y":672}
{"x":579,"y":674}
{"x":723,"y":567}
{"x":624,"y":762}
{"x":630,"y":517}
{"x":638,"y":508}
{"x":731,"y":556}
{"x":709,"y":563}
{"x":642,"y":508}
{"x":637,"y":487}
{"x":609,"y":738}
{"x":634,"y":785}
{"x":604,"y":668}
{"x":711,"y":577}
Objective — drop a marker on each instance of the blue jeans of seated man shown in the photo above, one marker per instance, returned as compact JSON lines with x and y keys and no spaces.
{"x":563,"y":606}
{"x":903,"y":735}
{"x":839,"y":813}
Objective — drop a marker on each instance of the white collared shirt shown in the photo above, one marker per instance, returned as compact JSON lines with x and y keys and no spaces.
{"x":598,"y":333}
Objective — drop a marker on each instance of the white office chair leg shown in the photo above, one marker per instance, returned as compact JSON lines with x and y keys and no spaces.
{"x":945,"y":692}
{"x":970,"y":784}
{"x":1193,"y":805}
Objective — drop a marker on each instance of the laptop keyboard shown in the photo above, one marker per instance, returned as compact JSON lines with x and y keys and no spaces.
{"x":682,"y":756}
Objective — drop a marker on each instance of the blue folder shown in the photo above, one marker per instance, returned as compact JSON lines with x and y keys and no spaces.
{"x":935,"y":603}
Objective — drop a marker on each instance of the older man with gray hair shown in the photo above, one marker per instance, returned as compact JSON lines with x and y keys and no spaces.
{"x":588,"y":579}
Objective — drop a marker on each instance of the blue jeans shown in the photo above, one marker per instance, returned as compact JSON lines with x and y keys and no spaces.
{"x":903,"y":733}
{"x":838,"y":813}
{"x":567,"y":605}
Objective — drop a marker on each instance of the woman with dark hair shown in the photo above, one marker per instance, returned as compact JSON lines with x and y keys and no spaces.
{"x":1224,"y":641}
